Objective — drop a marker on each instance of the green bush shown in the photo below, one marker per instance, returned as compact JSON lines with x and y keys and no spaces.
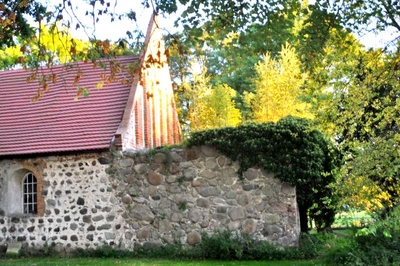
{"x":377,"y":244}
{"x":220,"y":245}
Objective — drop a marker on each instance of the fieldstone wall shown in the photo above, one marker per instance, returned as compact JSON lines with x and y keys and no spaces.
{"x":136,"y":198}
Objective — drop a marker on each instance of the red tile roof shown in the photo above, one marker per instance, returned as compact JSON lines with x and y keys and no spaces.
{"x":57,"y":123}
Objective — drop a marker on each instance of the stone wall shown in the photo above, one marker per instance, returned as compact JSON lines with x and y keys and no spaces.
{"x":134,"y":199}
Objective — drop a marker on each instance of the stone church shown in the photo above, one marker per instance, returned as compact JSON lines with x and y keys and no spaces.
{"x":79,"y":171}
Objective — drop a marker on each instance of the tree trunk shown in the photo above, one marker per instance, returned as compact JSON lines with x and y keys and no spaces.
{"x":303,"y":218}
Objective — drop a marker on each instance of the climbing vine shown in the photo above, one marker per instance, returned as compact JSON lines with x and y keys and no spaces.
{"x":292,"y":150}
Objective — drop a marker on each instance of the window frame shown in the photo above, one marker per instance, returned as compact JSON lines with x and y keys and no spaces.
{"x":29,"y":194}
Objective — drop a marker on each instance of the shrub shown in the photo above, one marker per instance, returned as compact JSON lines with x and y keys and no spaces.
{"x":377,"y":244}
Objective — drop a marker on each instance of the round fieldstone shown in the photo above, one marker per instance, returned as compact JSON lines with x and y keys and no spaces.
{"x":87,"y":218}
{"x":143,"y":213}
{"x":288,"y":189}
{"x":156,"y":197}
{"x":98,"y":218}
{"x":211,"y":164}
{"x":209,"y":151}
{"x":31,"y":229}
{"x":73,"y":226}
{"x":194,"y":215}
{"x":80,"y":201}
{"x":126,"y":162}
{"x":230,"y":195}
{"x":127,"y":199}
{"x":272,"y":229}
{"x":205,"y":223}
{"x":249,"y":227}
{"x":176,"y":217}
{"x":204,"y":203}
{"x":174,"y":168}
{"x":154,"y":178}
{"x":170,"y":179}
{"x":160,"y":158}
{"x":251,"y":174}
{"x":271,"y":218}
{"x":164,"y":226}
{"x":244,"y":199}
{"x":232,"y":226}
{"x":207,"y":174}
{"x":128,"y":235}
{"x":248,"y":187}
{"x":109,"y":235}
{"x":193,"y":238}
{"x":189,"y":174}
{"x":103,"y":160}
{"x":191,"y":154}
{"x":208,"y":191}
{"x":51,"y":202}
{"x":141,"y":168}
{"x":176,"y":157}
{"x":144,"y":233}
{"x":196,"y":183}
{"x":237,"y":213}
{"x":104,"y":227}
{"x":221,"y":161}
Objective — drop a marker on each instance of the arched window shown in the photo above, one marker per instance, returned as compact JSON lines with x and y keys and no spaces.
{"x":29,"y":193}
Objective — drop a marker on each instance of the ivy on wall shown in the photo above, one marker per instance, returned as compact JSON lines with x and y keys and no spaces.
{"x":291,"y":149}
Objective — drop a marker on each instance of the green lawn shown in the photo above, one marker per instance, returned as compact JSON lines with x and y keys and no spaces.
{"x":143,"y":262}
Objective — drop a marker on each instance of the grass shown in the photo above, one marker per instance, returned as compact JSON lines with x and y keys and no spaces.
{"x":144,"y":262}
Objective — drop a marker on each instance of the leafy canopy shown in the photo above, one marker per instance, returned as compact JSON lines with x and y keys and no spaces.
{"x":278,"y":88}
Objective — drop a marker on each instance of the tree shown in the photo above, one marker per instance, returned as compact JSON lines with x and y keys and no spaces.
{"x":58,"y":44}
{"x":210,"y":107}
{"x":277,"y":88}
{"x":365,"y":121}
{"x":367,"y":15}
{"x":13,"y":21}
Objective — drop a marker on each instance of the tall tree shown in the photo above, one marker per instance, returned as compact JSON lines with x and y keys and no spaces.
{"x":210,"y":107}
{"x":366,"y":123}
{"x":278,"y":88}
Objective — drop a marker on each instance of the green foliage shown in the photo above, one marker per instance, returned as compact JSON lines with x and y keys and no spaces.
{"x":218,"y":245}
{"x":221,"y":245}
{"x":365,"y":15}
{"x":182,"y":205}
{"x":225,"y":245}
{"x":277,"y":88}
{"x":211,"y":107}
{"x":290,"y":149}
{"x":377,"y":244}
{"x":13,"y":20}
{"x":364,"y":117}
